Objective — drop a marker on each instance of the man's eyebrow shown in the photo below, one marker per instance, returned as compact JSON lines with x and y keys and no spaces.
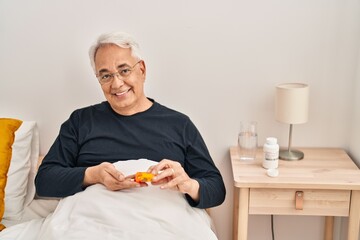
{"x":104,"y":70}
{"x":123,"y":65}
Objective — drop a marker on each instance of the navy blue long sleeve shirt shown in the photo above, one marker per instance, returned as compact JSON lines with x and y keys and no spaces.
{"x":97,"y":134}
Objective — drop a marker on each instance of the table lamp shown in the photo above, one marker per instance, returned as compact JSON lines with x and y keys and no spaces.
{"x":291,"y":107}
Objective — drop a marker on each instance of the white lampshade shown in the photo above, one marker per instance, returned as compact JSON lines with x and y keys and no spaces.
{"x":292,"y":103}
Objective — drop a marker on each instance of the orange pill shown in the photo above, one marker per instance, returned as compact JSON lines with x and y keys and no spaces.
{"x":143,"y":177}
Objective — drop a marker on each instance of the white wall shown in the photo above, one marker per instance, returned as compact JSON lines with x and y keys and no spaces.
{"x":354,"y":140}
{"x":217,"y":61}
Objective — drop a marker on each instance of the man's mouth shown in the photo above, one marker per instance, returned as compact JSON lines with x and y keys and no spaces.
{"x":122,"y":93}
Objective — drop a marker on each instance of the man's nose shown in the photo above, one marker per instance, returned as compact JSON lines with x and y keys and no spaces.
{"x":117,"y":80}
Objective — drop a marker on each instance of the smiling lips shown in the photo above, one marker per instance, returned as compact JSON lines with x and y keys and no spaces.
{"x":122,"y":93}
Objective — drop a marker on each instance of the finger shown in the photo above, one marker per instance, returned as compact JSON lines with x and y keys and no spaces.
{"x":167,"y":173}
{"x":132,"y":176}
{"x":151,"y":168}
{"x":160,"y":181}
{"x":128,"y":183}
{"x":111,"y":170}
{"x":162,"y":165}
{"x":171,"y":184}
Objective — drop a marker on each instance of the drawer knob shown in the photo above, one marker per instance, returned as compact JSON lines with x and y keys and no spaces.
{"x":299,"y":200}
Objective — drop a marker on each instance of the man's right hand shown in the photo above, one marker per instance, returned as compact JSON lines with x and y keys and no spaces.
{"x":106,"y":174}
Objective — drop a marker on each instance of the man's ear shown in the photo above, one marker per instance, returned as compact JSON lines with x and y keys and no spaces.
{"x":143,"y":68}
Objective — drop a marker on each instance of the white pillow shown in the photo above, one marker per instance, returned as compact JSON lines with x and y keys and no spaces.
{"x":34,"y":157}
{"x":20,"y":188}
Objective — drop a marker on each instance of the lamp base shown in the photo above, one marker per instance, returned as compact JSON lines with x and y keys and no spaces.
{"x":291,"y":155}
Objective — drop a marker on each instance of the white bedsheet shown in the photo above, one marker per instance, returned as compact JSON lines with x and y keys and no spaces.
{"x":98,"y":213}
{"x":38,"y":208}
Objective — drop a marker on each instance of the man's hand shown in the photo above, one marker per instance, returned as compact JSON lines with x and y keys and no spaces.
{"x":170,"y":174}
{"x":106,"y":174}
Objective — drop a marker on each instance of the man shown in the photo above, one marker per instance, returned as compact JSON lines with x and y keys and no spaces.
{"x":128,"y":126}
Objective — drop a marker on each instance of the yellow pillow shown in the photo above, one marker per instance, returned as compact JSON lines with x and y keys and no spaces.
{"x":8,"y":127}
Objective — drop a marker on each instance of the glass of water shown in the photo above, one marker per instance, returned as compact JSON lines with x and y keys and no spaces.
{"x":248,"y":140}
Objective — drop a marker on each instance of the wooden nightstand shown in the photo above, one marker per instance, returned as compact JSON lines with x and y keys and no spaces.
{"x":325,"y":183}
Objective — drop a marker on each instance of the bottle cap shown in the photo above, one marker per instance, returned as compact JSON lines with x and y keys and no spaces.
{"x":271,"y":140}
{"x":272,"y":172}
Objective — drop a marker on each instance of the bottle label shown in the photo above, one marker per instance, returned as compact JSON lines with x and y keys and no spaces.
{"x":271,"y":156}
{"x":268,"y":164}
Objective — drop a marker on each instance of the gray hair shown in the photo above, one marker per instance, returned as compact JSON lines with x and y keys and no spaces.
{"x":120,"y":39}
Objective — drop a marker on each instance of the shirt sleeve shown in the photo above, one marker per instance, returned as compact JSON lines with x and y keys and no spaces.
{"x":58,"y":175}
{"x":200,"y":166}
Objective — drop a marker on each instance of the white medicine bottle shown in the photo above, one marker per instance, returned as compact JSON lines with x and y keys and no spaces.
{"x":271,"y":153}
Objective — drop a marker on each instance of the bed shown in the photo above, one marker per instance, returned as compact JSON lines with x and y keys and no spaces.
{"x":95,"y":213}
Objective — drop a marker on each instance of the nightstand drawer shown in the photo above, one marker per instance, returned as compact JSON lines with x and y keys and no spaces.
{"x":307,"y":202}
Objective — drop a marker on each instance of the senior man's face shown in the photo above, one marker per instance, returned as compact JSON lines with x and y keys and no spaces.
{"x":125,"y":94}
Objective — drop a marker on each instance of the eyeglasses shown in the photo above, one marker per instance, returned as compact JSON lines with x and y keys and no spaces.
{"x":122,"y":73}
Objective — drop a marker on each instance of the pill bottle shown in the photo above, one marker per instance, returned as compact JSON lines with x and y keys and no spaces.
{"x":271,"y":153}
